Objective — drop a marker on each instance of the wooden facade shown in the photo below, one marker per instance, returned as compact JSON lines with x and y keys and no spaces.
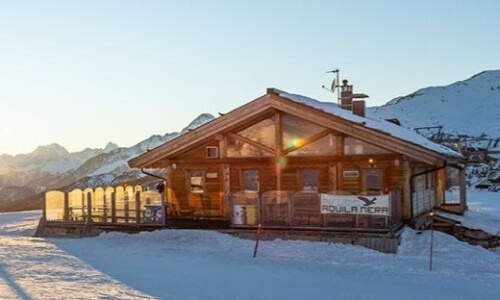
{"x":287,"y":161}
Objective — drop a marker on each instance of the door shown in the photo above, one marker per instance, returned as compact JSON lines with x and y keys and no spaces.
{"x":372,"y":182}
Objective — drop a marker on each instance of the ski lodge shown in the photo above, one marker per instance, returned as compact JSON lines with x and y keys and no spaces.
{"x":298,"y":166}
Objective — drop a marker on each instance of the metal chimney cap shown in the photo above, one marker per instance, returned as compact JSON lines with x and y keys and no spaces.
{"x":360,"y":96}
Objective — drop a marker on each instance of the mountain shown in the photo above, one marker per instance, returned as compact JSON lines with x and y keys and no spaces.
{"x":464,"y":115}
{"x":200,"y":120}
{"x":24,"y":177}
{"x":469,"y":108}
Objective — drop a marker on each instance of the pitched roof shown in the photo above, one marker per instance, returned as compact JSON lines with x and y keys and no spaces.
{"x":374,"y":123}
{"x":328,"y":114}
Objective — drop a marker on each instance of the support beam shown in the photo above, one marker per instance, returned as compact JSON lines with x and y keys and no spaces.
{"x":278,"y":121}
{"x":250,"y":142}
{"x":463,"y":200}
{"x":308,"y":141}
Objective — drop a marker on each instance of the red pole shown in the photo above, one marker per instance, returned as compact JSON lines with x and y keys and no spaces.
{"x":257,"y":238}
{"x":432,"y":241}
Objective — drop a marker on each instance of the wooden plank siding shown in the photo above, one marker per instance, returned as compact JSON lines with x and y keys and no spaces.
{"x":205,"y":204}
{"x":210,"y":202}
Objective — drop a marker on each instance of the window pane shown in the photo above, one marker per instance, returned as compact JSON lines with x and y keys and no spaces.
{"x":324,"y":146}
{"x":373,"y":180}
{"x":262,"y":132}
{"x":236,"y":148}
{"x":251,"y":180}
{"x":296,"y":130}
{"x":353,"y":146}
{"x":196,"y":181}
{"x":309,"y":180}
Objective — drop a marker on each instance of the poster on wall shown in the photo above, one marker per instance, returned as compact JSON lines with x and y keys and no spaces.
{"x":356,"y":204}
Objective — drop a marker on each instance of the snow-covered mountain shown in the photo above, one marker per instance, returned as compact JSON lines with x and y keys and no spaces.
{"x":468,"y":108}
{"x":24,"y":177}
{"x":464,"y":115}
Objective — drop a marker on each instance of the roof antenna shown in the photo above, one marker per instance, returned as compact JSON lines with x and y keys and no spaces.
{"x":335,"y":83}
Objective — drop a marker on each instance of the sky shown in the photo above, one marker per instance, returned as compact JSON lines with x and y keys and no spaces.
{"x":197,"y":264}
{"x":85,"y":73}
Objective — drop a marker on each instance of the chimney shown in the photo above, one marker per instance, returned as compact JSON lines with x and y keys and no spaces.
{"x":273,"y":91}
{"x":346,"y":95}
{"x":358,"y":107}
{"x":350,"y":101}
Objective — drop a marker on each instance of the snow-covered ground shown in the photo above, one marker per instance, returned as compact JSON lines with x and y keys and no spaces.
{"x":194,"y":264}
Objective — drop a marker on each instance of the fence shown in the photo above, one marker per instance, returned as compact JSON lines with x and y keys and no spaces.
{"x":130,"y":204}
{"x":133,"y":205}
{"x":310,"y":209}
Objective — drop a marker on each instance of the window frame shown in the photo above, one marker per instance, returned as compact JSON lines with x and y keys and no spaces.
{"x":314,"y":187}
{"x":244,"y":173}
{"x":370,"y":190}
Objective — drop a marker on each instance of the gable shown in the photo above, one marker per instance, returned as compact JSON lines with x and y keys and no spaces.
{"x":251,"y":130}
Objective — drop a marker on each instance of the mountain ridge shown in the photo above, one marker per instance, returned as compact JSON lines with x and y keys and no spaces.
{"x":53,"y":167}
{"x":469,"y":107}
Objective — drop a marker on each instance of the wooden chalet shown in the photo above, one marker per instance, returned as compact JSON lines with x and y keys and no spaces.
{"x":289,"y":162}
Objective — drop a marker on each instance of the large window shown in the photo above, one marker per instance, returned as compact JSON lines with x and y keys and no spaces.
{"x":309,"y":180}
{"x":353,"y":146}
{"x":196,"y":182}
{"x":296,"y":131}
{"x":323,"y":146}
{"x":262,"y":132}
{"x":253,"y":141}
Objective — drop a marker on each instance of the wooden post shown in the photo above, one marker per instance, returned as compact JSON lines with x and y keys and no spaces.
{"x":226,"y":186}
{"x":163,"y":208}
{"x":138,"y":213}
{"x":168,"y":185}
{"x":44,"y":207}
{"x":406,"y":209}
{"x":89,"y":207}
{"x":339,"y":144}
{"x":105,"y":209}
{"x":88,"y":225}
{"x":66,"y":207}
{"x":462,"y":184}
{"x":126,"y":207}
{"x":113,"y":207}
{"x":279,"y":148}
{"x":291,"y":209}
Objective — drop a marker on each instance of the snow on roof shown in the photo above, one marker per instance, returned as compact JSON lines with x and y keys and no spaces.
{"x":373,"y":123}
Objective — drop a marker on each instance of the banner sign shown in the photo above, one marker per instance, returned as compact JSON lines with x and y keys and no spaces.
{"x":356,"y":205}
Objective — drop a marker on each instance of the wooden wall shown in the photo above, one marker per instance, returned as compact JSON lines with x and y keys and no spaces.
{"x":331,"y":178}
{"x":210,"y":201}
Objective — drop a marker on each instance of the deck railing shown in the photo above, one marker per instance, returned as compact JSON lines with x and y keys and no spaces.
{"x":130,"y":204}
{"x":310,"y":209}
{"x":133,"y":205}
